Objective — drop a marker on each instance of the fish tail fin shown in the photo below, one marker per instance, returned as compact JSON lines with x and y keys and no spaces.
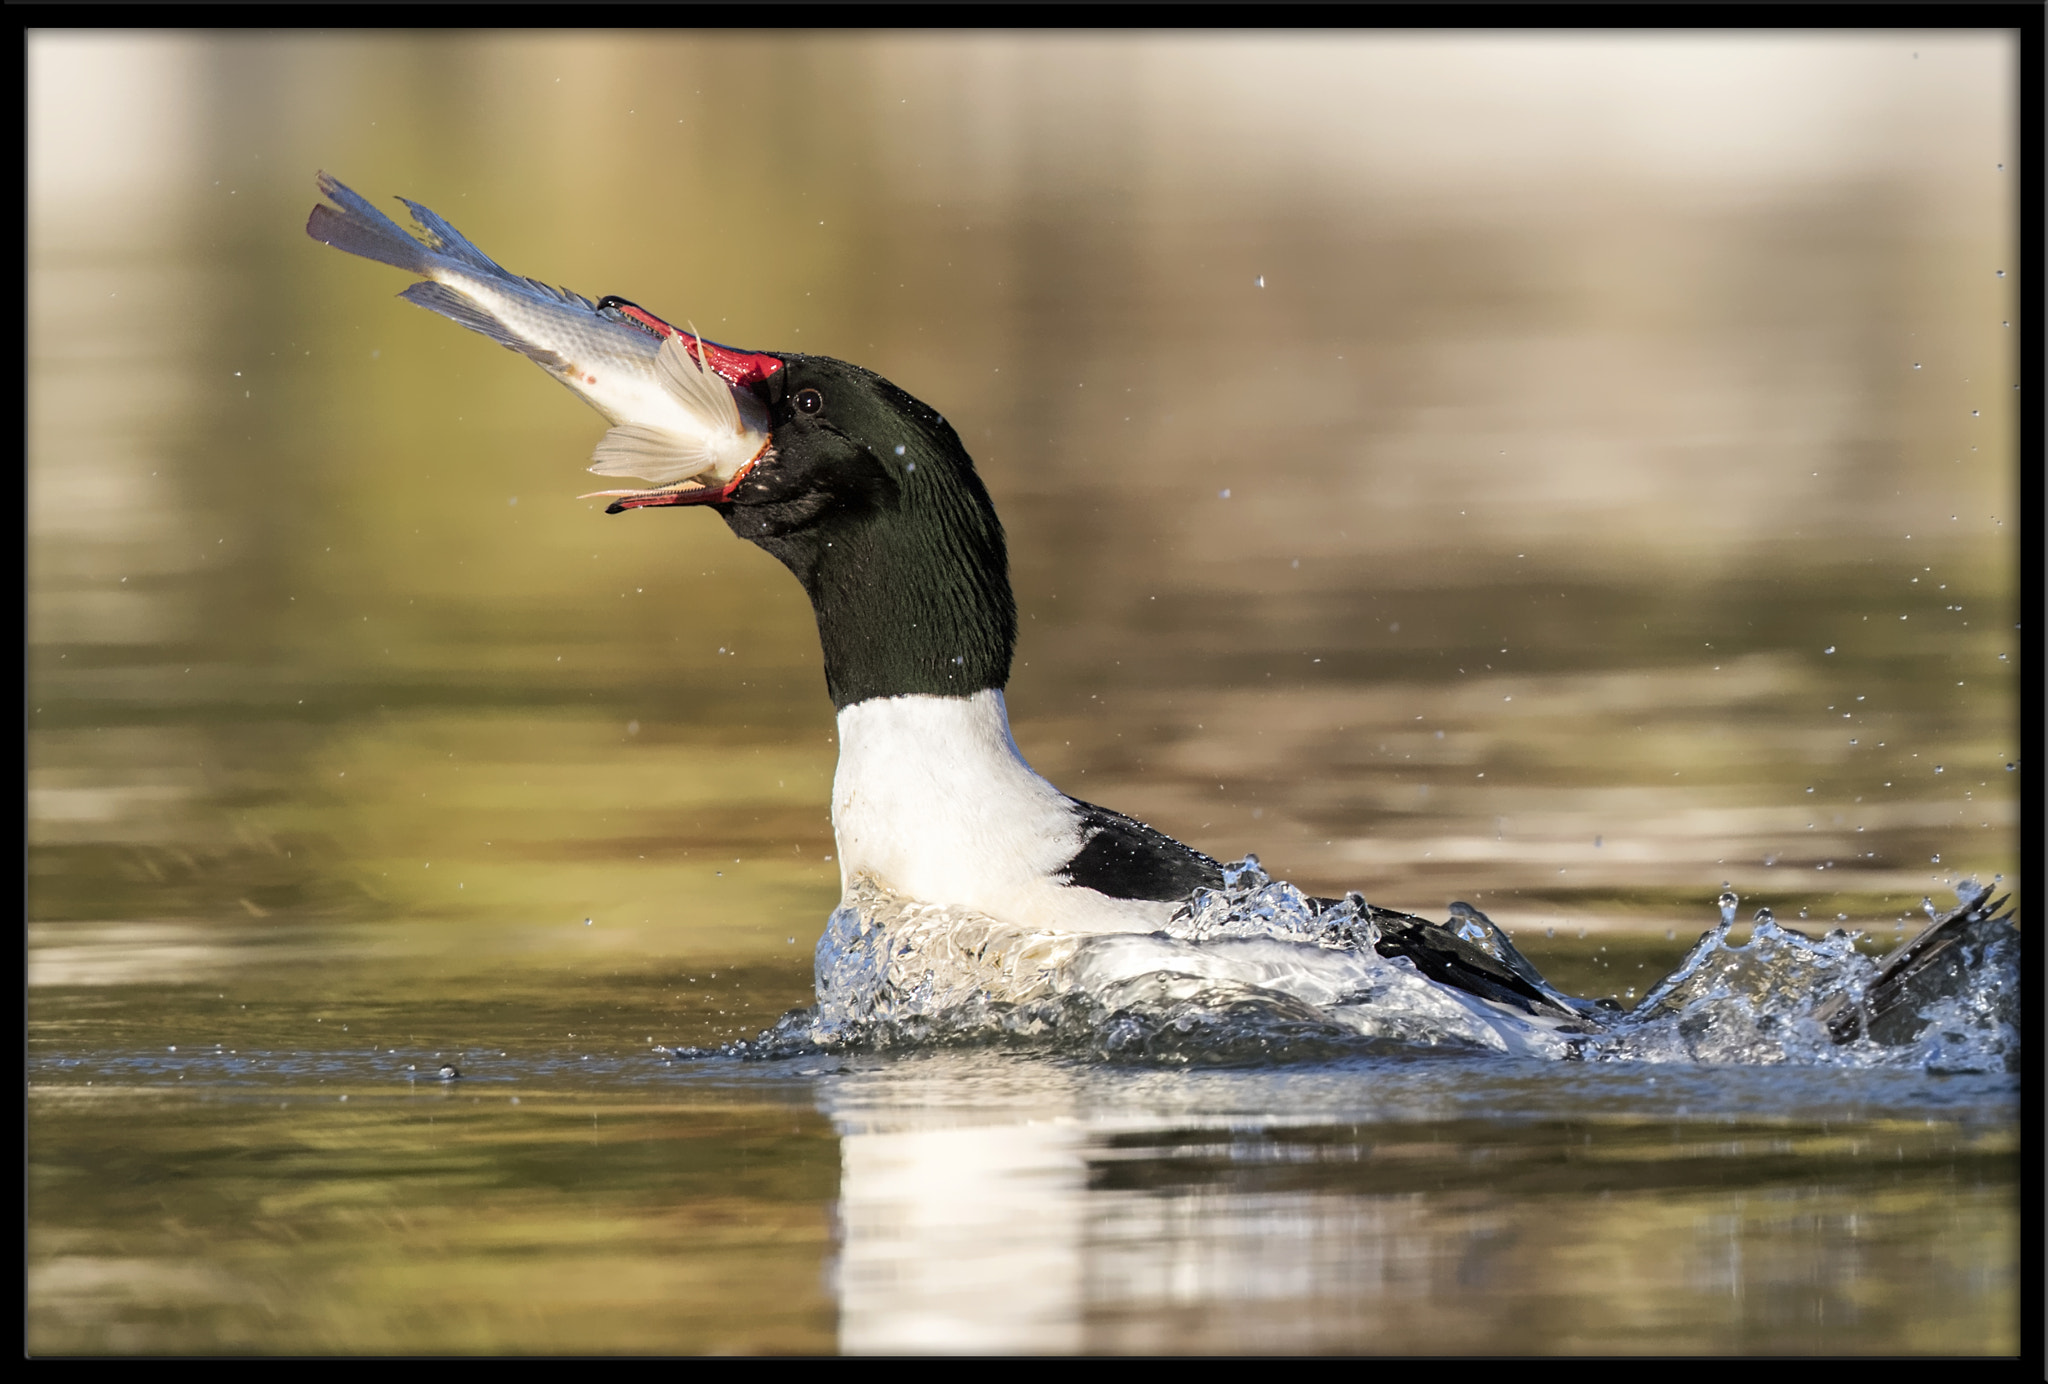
{"x":466,"y":312}
{"x":453,"y":245}
{"x":354,"y":225}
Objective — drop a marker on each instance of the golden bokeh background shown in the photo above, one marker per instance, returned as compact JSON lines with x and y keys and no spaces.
{"x":1563,"y":472}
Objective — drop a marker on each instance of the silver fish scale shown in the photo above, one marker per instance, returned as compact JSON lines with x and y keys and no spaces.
{"x":567,"y":328}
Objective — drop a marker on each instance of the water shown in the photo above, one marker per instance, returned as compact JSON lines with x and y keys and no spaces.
{"x":356,"y":747}
{"x":991,"y":1200}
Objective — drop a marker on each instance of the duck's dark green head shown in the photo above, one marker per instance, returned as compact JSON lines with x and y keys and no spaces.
{"x":868,"y":497}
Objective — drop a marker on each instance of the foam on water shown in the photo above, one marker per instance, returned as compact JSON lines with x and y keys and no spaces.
{"x":1256,"y":971}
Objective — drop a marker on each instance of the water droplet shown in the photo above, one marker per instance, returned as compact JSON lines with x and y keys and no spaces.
{"x":899,"y":449}
{"x":448,"y":1073}
{"x":1936,"y":860}
{"x":1927,"y":907}
{"x":2010,"y":767}
{"x":1916,"y":365}
{"x":1223,"y":494}
{"x":1937,"y":768}
{"x":1765,"y":918}
{"x":586,"y":922}
{"x":1829,"y":649}
{"x":1261,"y":280}
{"x":1728,"y":902}
{"x":1670,"y":934}
{"x":910,"y":466}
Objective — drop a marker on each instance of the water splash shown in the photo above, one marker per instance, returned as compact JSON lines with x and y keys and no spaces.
{"x":1251,"y":971}
{"x":1255,"y":971}
{"x":1946,"y":1001}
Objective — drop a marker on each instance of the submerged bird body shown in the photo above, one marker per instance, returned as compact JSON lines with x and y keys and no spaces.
{"x":868,"y":497}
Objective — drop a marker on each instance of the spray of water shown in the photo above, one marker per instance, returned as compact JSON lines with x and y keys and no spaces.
{"x":1257,"y":972}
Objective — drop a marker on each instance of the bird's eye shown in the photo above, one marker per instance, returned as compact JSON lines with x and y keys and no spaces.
{"x":809,"y":401}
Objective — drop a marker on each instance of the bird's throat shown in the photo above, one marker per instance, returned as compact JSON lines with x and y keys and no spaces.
{"x":912,"y":594}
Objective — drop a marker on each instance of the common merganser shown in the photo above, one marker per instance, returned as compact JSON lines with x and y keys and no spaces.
{"x":869,"y":498}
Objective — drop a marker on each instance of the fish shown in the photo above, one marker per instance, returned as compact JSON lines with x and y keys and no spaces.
{"x":681,"y":408}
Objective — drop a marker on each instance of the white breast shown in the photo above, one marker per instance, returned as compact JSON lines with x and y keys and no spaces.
{"x":933,"y":802}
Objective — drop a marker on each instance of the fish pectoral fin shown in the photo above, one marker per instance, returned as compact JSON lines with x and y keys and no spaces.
{"x":632,"y":449}
{"x":696,"y":386}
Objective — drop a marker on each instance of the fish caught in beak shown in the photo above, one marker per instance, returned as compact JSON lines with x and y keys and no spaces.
{"x":682,"y":409}
{"x":701,"y":466}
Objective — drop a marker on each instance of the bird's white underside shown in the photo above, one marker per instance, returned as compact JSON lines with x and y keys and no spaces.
{"x":933,"y":801}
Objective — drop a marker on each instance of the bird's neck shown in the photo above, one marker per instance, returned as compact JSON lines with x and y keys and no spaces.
{"x":910,"y":586}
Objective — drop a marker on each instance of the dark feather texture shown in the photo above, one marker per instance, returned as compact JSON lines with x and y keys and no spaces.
{"x":1125,"y":859}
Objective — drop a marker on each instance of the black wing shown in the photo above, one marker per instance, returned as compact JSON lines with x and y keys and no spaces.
{"x":1493,"y":969}
{"x":1125,"y":859}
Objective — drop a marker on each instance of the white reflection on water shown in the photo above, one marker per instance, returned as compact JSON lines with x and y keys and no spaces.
{"x":986,"y":1237}
{"x":963,"y":1237}
{"x":995,"y":1204}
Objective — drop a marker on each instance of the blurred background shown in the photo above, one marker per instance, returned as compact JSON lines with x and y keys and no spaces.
{"x":1565,"y":472}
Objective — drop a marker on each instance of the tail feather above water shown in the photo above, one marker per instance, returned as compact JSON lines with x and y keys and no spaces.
{"x":1472,"y":955}
{"x":1933,"y":965}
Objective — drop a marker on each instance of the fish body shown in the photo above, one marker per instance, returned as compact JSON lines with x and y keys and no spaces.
{"x":680,"y":411}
